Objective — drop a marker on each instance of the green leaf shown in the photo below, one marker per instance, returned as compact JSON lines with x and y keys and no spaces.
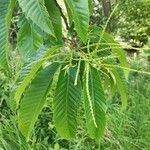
{"x":121,"y":86}
{"x":30,"y":62}
{"x":6,"y":10}
{"x":69,"y":14}
{"x":109,"y":85}
{"x":95,"y":104}
{"x":28,"y":74}
{"x":107,"y":40}
{"x":80,"y":14}
{"x":28,"y":39}
{"x":118,"y":82}
{"x":36,"y":11}
{"x":55,"y":16}
{"x":66,"y":104}
{"x":34,"y":99}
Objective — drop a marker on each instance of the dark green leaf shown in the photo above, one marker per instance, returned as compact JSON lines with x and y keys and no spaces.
{"x":55,"y":16}
{"x":6,"y":10}
{"x":34,"y":99}
{"x":28,"y":39}
{"x":66,"y":103}
{"x":29,"y":71}
{"x":36,"y":11}
{"x":95,"y":105}
{"x":80,"y":14}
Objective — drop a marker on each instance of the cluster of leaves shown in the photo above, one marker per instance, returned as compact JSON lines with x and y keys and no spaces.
{"x":84,"y":61}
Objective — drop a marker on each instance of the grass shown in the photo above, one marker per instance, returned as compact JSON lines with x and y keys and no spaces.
{"x":129,"y":130}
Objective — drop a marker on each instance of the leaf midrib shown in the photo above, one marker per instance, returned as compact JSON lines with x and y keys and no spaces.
{"x":67,"y":98}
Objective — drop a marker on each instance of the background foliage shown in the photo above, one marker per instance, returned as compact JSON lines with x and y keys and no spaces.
{"x":130,"y":20}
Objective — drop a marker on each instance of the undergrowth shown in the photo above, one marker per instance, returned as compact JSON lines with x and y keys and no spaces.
{"x":129,"y":130}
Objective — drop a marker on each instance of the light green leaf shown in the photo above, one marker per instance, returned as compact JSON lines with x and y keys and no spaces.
{"x":34,"y":99}
{"x":66,"y":104}
{"x":6,"y":10}
{"x":36,"y":11}
{"x":94,"y":97}
{"x":80,"y":14}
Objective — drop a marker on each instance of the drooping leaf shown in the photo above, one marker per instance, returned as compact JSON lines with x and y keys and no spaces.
{"x":95,"y":105}
{"x":66,"y":103}
{"x":121,"y":84}
{"x":6,"y":10}
{"x":28,"y":39}
{"x":34,"y":99}
{"x":30,"y":62}
{"x":109,"y":85}
{"x":107,"y":41}
{"x":117,"y":50}
{"x":80,"y":14}
{"x":55,"y":16}
{"x":36,"y":11}
{"x":28,"y":73}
